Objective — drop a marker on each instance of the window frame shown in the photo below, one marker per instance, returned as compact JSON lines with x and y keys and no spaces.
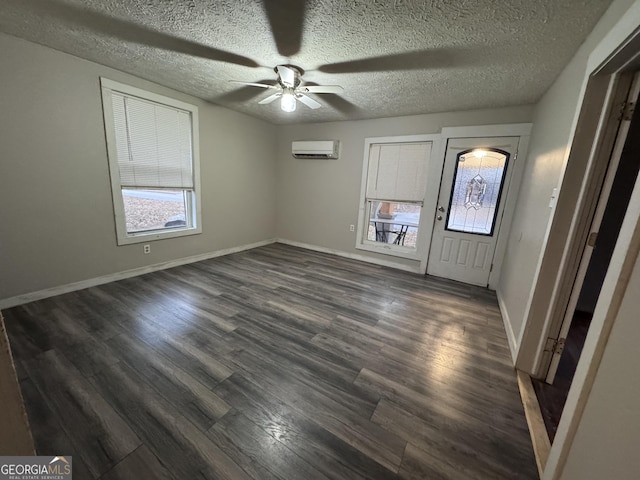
{"x":362,"y":243}
{"x":194,"y":224}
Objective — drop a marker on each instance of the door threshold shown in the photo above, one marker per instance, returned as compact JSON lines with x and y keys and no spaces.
{"x":537,"y":429}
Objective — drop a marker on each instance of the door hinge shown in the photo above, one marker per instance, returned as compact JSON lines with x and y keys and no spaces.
{"x":554,"y":346}
{"x":591,"y":241}
{"x":550,"y":344}
{"x":515,"y":156}
{"x":626,"y":110}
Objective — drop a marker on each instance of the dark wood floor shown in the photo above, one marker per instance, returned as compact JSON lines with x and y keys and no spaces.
{"x":276,"y":363}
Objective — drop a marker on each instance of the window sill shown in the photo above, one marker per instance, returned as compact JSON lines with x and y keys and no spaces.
{"x":389,"y":249}
{"x":151,"y":236}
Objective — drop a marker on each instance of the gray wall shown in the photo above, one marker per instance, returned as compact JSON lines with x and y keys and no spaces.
{"x":318,"y":199}
{"x":553,"y":119}
{"x":54,"y":174}
{"x":606,"y":441}
{"x":56,"y":220}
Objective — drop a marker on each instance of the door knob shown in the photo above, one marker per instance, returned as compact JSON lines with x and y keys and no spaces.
{"x":441,"y":208}
{"x":439,"y":217}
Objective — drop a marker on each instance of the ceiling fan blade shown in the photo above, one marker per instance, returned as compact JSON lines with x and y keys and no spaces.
{"x":342,"y":105}
{"x":339,"y":103}
{"x":321,"y":89}
{"x":416,"y":60}
{"x":254,"y":84}
{"x":286,"y":18}
{"x":120,"y":29}
{"x":309,"y":102}
{"x":239,"y":95}
{"x":270,"y":98}
{"x":287,"y":75}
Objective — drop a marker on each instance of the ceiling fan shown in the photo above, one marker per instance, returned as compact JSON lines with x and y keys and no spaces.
{"x":290,"y":89}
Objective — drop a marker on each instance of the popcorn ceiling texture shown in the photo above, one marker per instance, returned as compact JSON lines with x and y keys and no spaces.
{"x":393,"y":58}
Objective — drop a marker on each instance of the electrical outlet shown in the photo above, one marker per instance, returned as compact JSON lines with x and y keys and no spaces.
{"x":352,"y":228}
{"x":146,"y":249}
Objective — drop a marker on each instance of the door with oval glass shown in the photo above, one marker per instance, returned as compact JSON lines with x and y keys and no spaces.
{"x":475,"y":180}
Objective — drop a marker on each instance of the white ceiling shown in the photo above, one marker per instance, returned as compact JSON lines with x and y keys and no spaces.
{"x":393,"y":57}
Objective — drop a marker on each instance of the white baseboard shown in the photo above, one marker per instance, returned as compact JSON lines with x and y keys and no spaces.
{"x":354,"y":256}
{"x":92,"y":282}
{"x":511,"y":338}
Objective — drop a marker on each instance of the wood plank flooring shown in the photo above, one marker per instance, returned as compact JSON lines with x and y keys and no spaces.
{"x":275,"y":363}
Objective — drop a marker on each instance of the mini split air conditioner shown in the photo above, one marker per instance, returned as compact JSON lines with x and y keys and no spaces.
{"x":318,"y":150}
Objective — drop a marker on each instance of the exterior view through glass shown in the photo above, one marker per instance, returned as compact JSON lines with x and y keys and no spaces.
{"x":394,"y":222}
{"x":147,"y":210}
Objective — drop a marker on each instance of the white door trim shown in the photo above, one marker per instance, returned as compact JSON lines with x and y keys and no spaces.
{"x":567,"y":230}
{"x":614,"y":54}
{"x":522,"y":130}
{"x":560,"y":329}
{"x":566,"y":227}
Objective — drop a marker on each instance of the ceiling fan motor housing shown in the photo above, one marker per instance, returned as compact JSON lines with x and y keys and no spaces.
{"x":288,"y":75}
{"x":290,"y":89}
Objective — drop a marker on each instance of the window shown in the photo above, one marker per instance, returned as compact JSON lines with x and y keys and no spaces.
{"x":153,"y":160}
{"x":477,"y":187}
{"x":394,"y":186}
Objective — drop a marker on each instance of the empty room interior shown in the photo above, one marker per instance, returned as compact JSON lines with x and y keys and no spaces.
{"x":268,"y":239}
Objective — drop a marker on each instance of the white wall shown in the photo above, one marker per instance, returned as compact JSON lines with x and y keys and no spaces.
{"x":607,"y":439}
{"x":599,"y":432}
{"x":56,"y":219}
{"x":553,"y":120}
{"x":318,"y":200}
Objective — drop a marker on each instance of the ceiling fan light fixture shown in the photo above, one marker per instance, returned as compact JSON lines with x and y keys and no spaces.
{"x":290,"y":89}
{"x":288,"y":102}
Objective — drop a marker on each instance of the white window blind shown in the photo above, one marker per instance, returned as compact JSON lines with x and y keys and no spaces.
{"x":153,"y":144}
{"x":398,"y":172}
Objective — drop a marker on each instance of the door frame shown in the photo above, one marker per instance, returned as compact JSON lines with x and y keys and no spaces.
{"x":568,"y":229}
{"x":521,"y":130}
{"x":601,"y":190}
{"x":475,"y":242}
{"x":591,"y":141}
{"x":616,"y":53}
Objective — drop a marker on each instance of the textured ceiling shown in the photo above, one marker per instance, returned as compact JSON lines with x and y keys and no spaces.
{"x":393,"y":57}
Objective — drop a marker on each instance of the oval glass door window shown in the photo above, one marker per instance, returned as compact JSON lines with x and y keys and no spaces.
{"x":477,"y":187}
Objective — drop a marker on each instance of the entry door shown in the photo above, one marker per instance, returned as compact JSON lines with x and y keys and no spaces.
{"x":475,"y":180}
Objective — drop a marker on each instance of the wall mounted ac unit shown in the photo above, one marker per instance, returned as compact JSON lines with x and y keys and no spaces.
{"x":317,"y":149}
